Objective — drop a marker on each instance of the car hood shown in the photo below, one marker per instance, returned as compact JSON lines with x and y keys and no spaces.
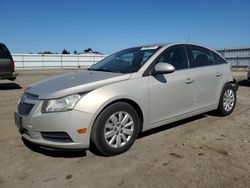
{"x":75,"y":82}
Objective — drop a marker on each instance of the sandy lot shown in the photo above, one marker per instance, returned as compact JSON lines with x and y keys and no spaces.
{"x":204,"y":151}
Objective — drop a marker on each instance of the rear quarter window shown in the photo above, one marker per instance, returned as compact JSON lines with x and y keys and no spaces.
{"x":4,"y":52}
{"x":218,"y":60}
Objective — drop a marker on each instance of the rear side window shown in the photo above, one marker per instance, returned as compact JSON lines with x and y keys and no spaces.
{"x":200,"y":56}
{"x":4,"y":52}
{"x":176,"y":56}
{"x":218,"y":60}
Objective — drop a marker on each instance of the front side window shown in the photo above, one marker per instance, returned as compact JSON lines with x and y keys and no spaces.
{"x":175,"y":56}
{"x":200,"y":57}
{"x":125,"y":61}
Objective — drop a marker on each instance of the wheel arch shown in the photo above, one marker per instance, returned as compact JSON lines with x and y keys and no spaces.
{"x":220,"y":108}
{"x":132,"y":103}
{"x":234,"y":83}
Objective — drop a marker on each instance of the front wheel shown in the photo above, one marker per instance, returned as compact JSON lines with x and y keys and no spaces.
{"x":227,"y":100}
{"x":115,"y":129}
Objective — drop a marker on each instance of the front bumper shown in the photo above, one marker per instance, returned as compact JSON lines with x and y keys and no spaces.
{"x":34,"y":125}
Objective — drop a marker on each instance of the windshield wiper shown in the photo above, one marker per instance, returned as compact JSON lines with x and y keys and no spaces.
{"x":105,"y":70}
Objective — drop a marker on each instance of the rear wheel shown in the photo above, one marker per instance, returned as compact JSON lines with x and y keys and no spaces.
{"x":227,"y":100}
{"x":115,"y":129}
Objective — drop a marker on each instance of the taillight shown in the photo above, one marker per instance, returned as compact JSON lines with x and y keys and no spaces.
{"x":12,"y":65}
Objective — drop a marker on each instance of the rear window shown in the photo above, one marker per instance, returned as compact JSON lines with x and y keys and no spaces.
{"x":4,"y":52}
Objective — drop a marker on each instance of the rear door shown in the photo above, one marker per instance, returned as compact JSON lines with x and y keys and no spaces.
{"x":5,"y":58}
{"x":209,"y":76}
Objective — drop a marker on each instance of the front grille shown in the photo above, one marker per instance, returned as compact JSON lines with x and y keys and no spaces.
{"x":56,"y":136}
{"x":24,"y":108}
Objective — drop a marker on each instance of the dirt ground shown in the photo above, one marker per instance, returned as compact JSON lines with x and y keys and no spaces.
{"x":203,"y":151}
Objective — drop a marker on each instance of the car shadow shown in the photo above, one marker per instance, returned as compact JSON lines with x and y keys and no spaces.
{"x":51,"y":152}
{"x":9,"y":86}
{"x":244,"y":83}
{"x":170,"y":126}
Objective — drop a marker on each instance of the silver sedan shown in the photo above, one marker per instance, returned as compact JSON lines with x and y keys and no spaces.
{"x":128,"y":92}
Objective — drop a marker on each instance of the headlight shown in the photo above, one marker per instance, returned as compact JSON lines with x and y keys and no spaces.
{"x":61,"y":104}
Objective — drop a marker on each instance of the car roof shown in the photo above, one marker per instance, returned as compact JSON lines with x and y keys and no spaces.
{"x":175,"y":43}
{"x":153,"y":44}
{"x":170,"y":44}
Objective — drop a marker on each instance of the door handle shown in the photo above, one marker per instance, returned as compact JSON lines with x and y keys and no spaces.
{"x":218,"y":74}
{"x":189,"y":81}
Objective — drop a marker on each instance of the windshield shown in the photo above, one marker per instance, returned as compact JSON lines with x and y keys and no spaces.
{"x":125,"y":61}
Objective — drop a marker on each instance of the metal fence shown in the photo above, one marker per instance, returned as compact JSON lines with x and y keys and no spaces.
{"x":38,"y":61}
{"x":237,"y":57}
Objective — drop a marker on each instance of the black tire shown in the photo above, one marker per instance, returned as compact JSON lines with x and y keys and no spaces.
{"x":99,"y":129}
{"x":222,"y":110}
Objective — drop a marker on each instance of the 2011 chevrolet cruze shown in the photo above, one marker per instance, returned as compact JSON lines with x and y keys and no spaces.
{"x":133,"y":90}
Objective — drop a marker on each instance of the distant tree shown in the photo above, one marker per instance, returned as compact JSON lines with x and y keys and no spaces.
{"x":96,"y":52}
{"x":45,"y":52}
{"x":75,"y":52}
{"x":65,"y":51}
{"x":88,"y":50}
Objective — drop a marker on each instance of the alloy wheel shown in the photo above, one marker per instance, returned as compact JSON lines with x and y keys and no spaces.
{"x":228,"y":100}
{"x":118,"y":129}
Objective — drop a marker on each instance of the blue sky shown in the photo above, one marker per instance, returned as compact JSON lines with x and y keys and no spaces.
{"x":110,"y":25}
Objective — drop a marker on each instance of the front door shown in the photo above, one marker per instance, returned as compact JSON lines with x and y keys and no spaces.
{"x":171,"y":95}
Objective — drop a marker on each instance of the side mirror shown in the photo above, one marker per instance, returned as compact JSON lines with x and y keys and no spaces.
{"x":163,"y":68}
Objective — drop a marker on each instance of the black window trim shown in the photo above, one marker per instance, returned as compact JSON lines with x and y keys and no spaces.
{"x":212,"y":56}
{"x":147,"y":72}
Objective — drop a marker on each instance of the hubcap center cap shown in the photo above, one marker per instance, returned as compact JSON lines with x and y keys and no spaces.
{"x":119,"y":129}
